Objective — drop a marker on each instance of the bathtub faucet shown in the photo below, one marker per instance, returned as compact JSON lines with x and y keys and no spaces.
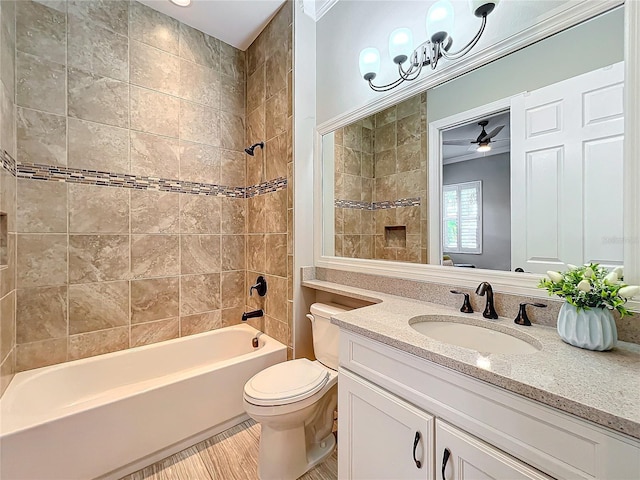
{"x":254,"y":341}
{"x":255,"y":314}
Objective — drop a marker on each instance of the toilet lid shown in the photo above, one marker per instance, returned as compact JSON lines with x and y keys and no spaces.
{"x":286,"y":383}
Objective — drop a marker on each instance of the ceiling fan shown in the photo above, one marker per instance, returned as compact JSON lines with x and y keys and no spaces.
{"x":483,"y":141}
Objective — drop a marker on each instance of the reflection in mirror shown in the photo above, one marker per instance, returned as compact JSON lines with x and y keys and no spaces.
{"x":380,"y":175}
{"x":376,"y":203}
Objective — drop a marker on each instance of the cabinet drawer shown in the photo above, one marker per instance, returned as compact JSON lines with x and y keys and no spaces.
{"x":551,"y":441}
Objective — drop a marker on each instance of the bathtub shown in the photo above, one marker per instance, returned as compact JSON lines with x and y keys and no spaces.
{"x":110,"y":415}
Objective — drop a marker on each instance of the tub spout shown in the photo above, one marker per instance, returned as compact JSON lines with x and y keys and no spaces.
{"x":255,"y":314}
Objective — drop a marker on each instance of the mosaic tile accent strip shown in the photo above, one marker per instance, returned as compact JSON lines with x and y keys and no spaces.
{"x":35,"y":171}
{"x":359,"y":205}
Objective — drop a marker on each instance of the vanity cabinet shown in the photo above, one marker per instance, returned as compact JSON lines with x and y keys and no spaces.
{"x":386,"y":395}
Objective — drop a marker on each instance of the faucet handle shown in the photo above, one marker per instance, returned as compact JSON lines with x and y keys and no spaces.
{"x":260,"y":287}
{"x":522,"y":318}
{"x":466,"y":305}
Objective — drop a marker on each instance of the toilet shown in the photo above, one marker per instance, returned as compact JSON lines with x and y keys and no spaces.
{"x":294,"y":403}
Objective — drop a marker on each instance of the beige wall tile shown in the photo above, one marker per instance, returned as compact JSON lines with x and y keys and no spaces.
{"x":276,"y":70}
{"x":232,"y":316}
{"x":232,"y":61}
{"x":7,"y":126}
{"x":256,"y":209}
{"x":276,"y":157}
{"x":256,"y":54}
{"x":256,"y":252}
{"x":8,"y":275}
{"x":276,"y":258}
{"x":277,"y":329}
{"x":351,"y":246}
{"x":7,"y":49}
{"x":256,"y":93}
{"x":233,"y":215}
{"x":233,"y":289}
{"x":385,"y":138}
{"x":153,"y":68}
{"x":41,"y":260}
{"x":409,"y":157}
{"x":199,"y":47}
{"x":98,"y":306}
{"x":96,"y":49}
{"x":275,"y":211}
{"x":98,"y":147}
{"x":408,"y":107}
{"x":233,"y":252}
{"x":148,"y":333}
{"x":232,"y":94}
{"x":276,"y":114}
{"x":96,"y":343}
{"x":201,"y":322}
{"x":154,"y":156}
{"x":7,"y":370}
{"x":154,"y":212}
{"x":41,"y":137}
{"x":41,"y":207}
{"x":40,"y":84}
{"x":98,"y":209}
{"x":232,"y":167}
{"x":200,"y":254}
{"x":352,"y":221}
{"x":352,"y":161}
{"x":97,"y":98}
{"x":199,"y":123}
{"x":41,"y":314}
{"x":154,"y":112}
{"x":409,"y":129}
{"x":353,"y":136}
{"x":111,"y":14}
{"x":255,"y":125}
{"x":153,"y":28}
{"x":199,"y":163}
{"x":155,"y":255}
{"x":41,"y":29}
{"x":98,"y":258}
{"x":41,"y":354}
{"x":386,"y":116}
{"x":199,"y":293}
{"x":7,"y":324}
{"x":199,"y":214}
{"x":232,"y":131}
{"x":276,"y":300}
{"x":154,"y":299}
{"x":8,"y":198}
{"x":199,"y":84}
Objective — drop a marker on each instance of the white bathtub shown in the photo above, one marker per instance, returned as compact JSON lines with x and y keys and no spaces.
{"x":110,"y":415}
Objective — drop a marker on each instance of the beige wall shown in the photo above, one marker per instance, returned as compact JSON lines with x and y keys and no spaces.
{"x":103,"y":268}
{"x":7,"y":194}
{"x":383,"y":158}
{"x":270,"y":216}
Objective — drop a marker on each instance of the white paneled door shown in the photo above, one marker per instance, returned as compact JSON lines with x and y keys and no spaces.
{"x":566,"y":172}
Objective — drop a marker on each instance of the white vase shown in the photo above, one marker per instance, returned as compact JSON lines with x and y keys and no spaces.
{"x":593,"y":329}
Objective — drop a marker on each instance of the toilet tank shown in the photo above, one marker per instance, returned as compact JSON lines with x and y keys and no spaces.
{"x":325,"y":334}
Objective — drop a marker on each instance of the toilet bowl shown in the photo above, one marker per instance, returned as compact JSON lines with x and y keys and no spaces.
{"x":294,"y":402}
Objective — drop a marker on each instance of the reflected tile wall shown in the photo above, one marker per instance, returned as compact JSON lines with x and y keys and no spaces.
{"x":119,"y":87}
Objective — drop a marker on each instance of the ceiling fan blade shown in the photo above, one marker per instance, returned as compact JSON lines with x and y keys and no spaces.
{"x":501,"y":140}
{"x":493,"y":133}
{"x":463,"y":143}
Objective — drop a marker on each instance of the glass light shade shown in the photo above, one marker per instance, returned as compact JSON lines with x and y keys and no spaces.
{"x":369,"y":63}
{"x":440,"y":21}
{"x":400,"y":44}
{"x":181,"y":3}
{"x":483,"y":147}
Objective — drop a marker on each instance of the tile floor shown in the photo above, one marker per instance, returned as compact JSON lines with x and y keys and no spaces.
{"x":230,"y":455}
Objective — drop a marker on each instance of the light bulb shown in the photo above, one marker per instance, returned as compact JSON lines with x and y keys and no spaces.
{"x":369,"y":63}
{"x":400,"y":44}
{"x":181,"y":3}
{"x":483,"y":147}
{"x":440,"y":21}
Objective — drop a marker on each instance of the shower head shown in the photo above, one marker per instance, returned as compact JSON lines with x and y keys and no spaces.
{"x":250,"y":149}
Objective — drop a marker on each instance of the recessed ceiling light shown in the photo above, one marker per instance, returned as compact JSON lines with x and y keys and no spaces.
{"x":181,"y":3}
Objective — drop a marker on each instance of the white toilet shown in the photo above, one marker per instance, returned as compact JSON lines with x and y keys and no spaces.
{"x":294,"y":403}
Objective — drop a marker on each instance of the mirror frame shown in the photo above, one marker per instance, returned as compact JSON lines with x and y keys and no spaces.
{"x":506,"y":282}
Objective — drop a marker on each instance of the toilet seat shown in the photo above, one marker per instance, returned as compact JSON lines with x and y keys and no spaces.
{"x":286,"y":383}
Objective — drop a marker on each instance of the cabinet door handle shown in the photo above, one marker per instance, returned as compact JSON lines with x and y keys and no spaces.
{"x":415,"y":445}
{"x":445,"y":459}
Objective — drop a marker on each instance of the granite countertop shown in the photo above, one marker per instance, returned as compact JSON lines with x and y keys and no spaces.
{"x":602,"y":387}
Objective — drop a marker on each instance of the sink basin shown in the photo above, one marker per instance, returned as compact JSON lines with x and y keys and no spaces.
{"x":447,"y":330}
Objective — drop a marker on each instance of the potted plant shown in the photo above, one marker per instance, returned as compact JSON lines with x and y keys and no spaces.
{"x":591,"y":293}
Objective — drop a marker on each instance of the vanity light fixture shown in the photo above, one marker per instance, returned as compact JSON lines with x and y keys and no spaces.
{"x":181,"y":3}
{"x":439,"y":26}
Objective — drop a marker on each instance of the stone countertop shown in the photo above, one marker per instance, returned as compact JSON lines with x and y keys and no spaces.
{"x":602,"y":387}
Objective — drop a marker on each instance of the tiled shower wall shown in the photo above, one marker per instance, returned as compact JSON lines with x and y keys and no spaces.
{"x":7,"y":195}
{"x":382,"y":161}
{"x":118,"y":88}
{"x":270,"y":216}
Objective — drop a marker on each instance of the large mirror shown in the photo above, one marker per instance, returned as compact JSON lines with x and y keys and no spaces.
{"x":503,"y":168}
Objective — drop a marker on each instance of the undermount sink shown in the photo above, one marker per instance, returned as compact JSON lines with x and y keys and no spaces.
{"x":448,"y":329}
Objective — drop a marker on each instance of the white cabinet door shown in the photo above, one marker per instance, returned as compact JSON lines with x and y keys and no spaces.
{"x":566,"y":173}
{"x":471,"y":459}
{"x":380,"y":435}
